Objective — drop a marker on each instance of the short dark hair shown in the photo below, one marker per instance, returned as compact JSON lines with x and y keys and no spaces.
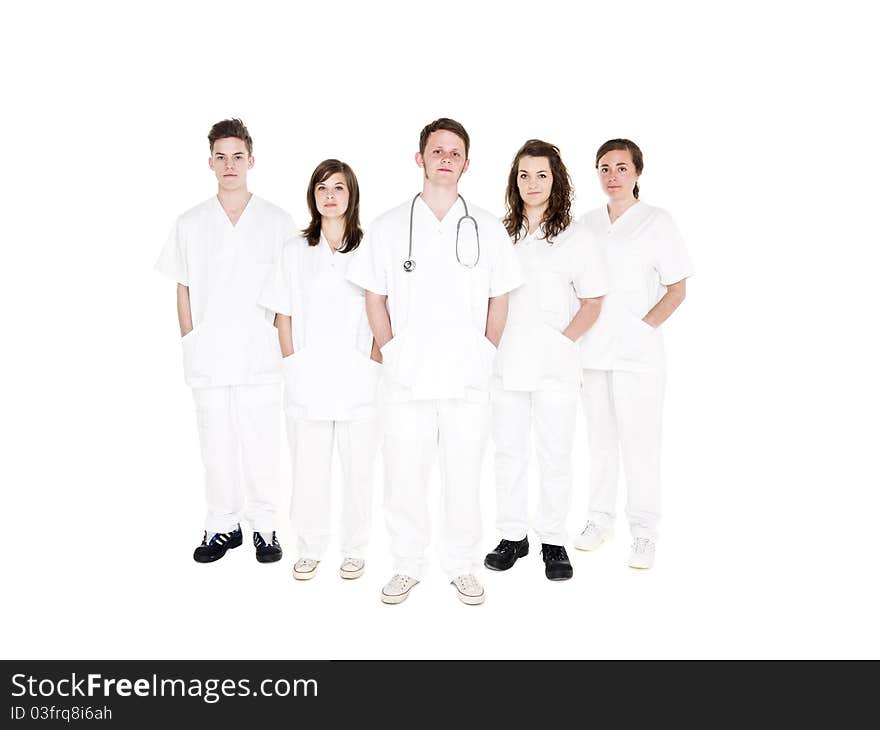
{"x":351,"y":239}
{"x":624,"y":145}
{"x":450,"y":125}
{"x":231,"y":128}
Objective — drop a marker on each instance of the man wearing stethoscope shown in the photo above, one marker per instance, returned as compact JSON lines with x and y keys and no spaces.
{"x":437,"y":271}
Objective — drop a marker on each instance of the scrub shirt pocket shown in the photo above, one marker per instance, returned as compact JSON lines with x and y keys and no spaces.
{"x":637,"y":339}
{"x":189,"y":345}
{"x":561,"y":357}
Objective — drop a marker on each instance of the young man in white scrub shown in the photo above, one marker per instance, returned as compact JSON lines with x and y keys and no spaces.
{"x":330,"y":379}
{"x":220,"y":253}
{"x":622,"y":355}
{"x":437,"y":271}
{"x":538,"y":374}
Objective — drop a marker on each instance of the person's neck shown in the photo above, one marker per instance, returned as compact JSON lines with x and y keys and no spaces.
{"x":534,"y":215}
{"x":334,"y":231}
{"x":234,"y":201}
{"x":439,"y":198}
{"x":617,"y":208}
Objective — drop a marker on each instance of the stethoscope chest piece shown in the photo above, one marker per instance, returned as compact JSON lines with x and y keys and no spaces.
{"x":409,"y":265}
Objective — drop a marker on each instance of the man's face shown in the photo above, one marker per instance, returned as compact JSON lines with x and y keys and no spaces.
{"x":230,"y":162}
{"x":444,"y":159}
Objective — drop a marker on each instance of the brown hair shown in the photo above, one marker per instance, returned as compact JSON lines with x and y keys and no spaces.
{"x":557,"y":217}
{"x":231,"y":128}
{"x":450,"y":125}
{"x":623,"y":145}
{"x":351,"y":239}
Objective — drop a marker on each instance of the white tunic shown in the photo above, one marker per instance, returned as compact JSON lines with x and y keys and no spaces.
{"x":438,"y":310}
{"x":233,"y":341}
{"x":330,"y":375}
{"x":534,"y":354}
{"x":644,"y":253}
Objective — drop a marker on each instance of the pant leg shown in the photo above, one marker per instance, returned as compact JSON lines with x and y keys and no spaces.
{"x":638,"y":403}
{"x":604,"y":446}
{"x":218,"y":441}
{"x":464,"y":430}
{"x":258,"y":417}
{"x":310,"y":498}
{"x":554,"y":413}
{"x":511,"y":428}
{"x":357,"y":442}
{"x":409,"y":446}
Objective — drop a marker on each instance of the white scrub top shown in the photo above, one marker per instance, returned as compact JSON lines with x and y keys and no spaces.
{"x":534,"y":354}
{"x":330,"y":375}
{"x":644,"y":253}
{"x":233,"y":341}
{"x":438,"y":310}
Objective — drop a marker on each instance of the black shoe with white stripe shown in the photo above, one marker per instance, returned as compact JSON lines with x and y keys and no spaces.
{"x":267,"y":552}
{"x":216,"y":547}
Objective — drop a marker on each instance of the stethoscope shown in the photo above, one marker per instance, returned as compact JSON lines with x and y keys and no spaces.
{"x":410,"y":265}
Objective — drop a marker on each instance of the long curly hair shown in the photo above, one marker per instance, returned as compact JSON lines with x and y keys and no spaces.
{"x":557,"y":217}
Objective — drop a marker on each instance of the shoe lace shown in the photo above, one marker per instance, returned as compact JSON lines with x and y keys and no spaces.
{"x":590,"y":529}
{"x":642,"y":545}
{"x":505,"y":546}
{"x":468,"y":582}
{"x":401,"y":582}
{"x":351,"y":563}
{"x":554,"y":552}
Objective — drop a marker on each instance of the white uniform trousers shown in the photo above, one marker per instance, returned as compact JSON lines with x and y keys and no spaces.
{"x":624,"y":413}
{"x":553,"y":414}
{"x":456,"y":430}
{"x":240,"y":438}
{"x":311,"y":452}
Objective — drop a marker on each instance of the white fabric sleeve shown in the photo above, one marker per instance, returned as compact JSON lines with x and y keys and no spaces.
{"x":275,"y":294}
{"x":672,"y":262}
{"x":172,"y":260}
{"x":505,"y":273}
{"x":367,"y":268}
{"x":590,"y":273}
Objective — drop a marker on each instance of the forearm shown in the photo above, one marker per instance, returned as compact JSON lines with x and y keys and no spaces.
{"x":670,"y":301}
{"x":285,"y":333}
{"x":586,"y":316}
{"x":377,"y":315}
{"x":496,"y":319}
{"x":184,"y":312}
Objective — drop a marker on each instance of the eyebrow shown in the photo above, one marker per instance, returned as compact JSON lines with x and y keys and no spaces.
{"x":522,"y":170}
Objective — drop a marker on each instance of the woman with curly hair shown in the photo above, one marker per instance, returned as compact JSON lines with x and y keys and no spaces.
{"x":537,"y":371}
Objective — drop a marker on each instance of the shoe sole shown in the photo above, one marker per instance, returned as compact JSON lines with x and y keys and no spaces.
{"x":351,"y":574}
{"x":269,"y":558}
{"x":470,"y":600}
{"x":584,"y":548}
{"x":213,"y":559}
{"x":393,"y":600}
{"x":305,"y":576}
{"x":557,"y":578}
{"x":640,"y":567}
{"x":501,"y":570}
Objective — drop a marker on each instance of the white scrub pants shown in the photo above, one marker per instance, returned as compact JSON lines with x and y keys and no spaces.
{"x":624,"y":413}
{"x":553,"y":414}
{"x":240,"y":438}
{"x":311,"y":451}
{"x":456,"y":431}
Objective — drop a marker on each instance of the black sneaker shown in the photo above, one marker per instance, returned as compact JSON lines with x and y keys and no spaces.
{"x":556,"y":563}
{"x":267,"y":552}
{"x":216,"y":547}
{"x":504,"y":556}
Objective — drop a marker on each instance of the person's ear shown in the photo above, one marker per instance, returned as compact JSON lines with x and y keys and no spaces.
{"x":467,"y":164}
{"x":250,"y":162}
{"x":420,"y":161}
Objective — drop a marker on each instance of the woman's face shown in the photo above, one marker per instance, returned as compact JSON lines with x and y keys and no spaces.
{"x":534,"y":180}
{"x":617,"y":174}
{"x":331,"y":196}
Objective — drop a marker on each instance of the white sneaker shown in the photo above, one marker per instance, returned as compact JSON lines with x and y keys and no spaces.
{"x":469,"y":590}
{"x":397,"y":589}
{"x":351,"y":568}
{"x":305,"y":568}
{"x":642,"y":553}
{"x":593,"y":536}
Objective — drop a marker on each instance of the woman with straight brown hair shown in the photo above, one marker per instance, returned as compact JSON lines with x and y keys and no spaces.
{"x":537,"y":369}
{"x":329,"y":377}
{"x":622,"y":355}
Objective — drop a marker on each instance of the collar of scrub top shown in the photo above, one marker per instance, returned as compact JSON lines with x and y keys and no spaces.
{"x":410,"y":265}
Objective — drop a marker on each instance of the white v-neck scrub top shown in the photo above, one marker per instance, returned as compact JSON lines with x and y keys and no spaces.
{"x":644,"y":253}
{"x":438,"y":311}
{"x":233,"y":340}
{"x":330,"y":375}
{"x":533,"y":353}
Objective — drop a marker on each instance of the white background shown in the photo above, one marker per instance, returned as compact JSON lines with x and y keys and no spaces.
{"x":758,"y":125}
